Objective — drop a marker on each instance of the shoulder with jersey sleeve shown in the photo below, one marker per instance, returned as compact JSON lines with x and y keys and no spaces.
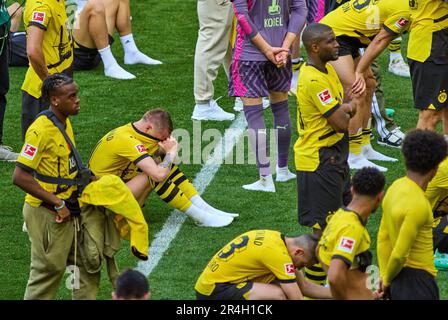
{"x":126,"y":144}
{"x":276,"y":257}
{"x":37,"y":13}
{"x":399,"y":17}
{"x":348,"y":239}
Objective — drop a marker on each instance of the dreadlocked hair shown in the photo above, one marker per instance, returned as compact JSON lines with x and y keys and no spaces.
{"x":52,"y":83}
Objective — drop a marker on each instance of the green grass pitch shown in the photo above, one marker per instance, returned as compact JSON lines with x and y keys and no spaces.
{"x":167,"y":30}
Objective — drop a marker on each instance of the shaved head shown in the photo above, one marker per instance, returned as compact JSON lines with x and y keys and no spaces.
{"x":314,"y":34}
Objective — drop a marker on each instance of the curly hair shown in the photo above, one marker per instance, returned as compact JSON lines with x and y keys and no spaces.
{"x":368,"y":181}
{"x":423,"y":150}
{"x":52,"y":83}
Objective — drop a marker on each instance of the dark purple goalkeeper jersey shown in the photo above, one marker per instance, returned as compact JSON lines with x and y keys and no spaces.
{"x":273,"y":19}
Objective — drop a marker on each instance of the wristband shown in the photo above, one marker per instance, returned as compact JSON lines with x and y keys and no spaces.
{"x":60,"y":207}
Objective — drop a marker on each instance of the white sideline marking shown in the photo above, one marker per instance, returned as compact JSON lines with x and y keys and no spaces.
{"x":163,"y":238}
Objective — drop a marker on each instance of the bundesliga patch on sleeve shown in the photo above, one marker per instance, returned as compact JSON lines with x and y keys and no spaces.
{"x":38,"y":16}
{"x":401,"y":23}
{"x":29,"y":151}
{"x":140,"y":148}
{"x":325,"y":96}
{"x":289,"y":269}
{"x":347,"y":244}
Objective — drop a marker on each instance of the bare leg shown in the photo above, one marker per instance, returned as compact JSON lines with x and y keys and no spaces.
{"x":92,"y":31}
{"x":17,"y":10}
{"x":263,"y":291}
{"x":140,"y":188}
{"x":428,"y":119}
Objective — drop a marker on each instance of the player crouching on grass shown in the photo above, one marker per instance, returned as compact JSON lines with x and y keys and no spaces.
{"x":261,"y":265}
{"x":343,"y":249}
{"x":142,"y":154}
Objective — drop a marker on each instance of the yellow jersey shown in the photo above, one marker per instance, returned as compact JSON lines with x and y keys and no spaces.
{"x":57,"y":46}
{"x":405,"y":233}
{"x":46,"y":151}
{"x":437,"y":190}
{"x":319,"y":94}
{"x":258,"y":256}
{"x":345,"y":237}
{"x":119,"y":151}
{"x":426,"y":39}
{"x":363,"y":19}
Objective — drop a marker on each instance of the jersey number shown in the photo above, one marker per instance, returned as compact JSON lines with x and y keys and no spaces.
{"x":238,"y":246}
{"x":360,"y":5}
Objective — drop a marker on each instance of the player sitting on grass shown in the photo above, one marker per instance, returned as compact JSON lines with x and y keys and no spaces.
{"x":142,"y":154}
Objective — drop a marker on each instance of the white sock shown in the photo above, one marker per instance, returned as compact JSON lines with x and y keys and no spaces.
{"x":107,"y":57}
{"x":198,"y":201}
{"x":196,"y":213}
{"x":128,"y":43}
{"x":395,"y":55}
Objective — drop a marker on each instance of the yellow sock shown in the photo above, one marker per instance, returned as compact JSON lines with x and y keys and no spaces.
{"x":171,"y":194}
{"x":182,"y":182}
{"x":395,"y":45}
{"x":355,"y":143}
{"x":366,"y":133}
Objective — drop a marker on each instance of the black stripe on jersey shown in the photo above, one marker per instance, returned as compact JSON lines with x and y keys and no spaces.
{"x":143,"y":156}
{"x":315,"y":269}
{"x":389,"y":30}
{"x":172,"y":195}
{"x":336,"y":256}
{"x":331,"y":111}
{"x":163,"y":187}
{"x":286,"y":281}
{"x":315,"y":278}
{"x":37,"y":24}
{"x":325,"y":136}
{"x":24,"y":167}
{"x":441,"y":19}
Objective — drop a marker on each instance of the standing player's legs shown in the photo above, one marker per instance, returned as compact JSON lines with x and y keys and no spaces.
{"x":345,"y":68}
{"x":5,"y":152}
{"x":397,"y":65}
{"x":279,"y":83}
{"x":212,"y":50}
{"x":91,"y":33}
{"x":368,"y":152}
{"x":430,"y":89}
{"x":321,"y":193}
{"x":118,"y":15}
{"x":51,"y":243}
{"x":247,"y":81}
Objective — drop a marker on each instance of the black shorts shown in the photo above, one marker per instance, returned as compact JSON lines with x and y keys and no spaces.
{"x":322,"y":192}
{"x":414,"y":284}
{"x":429,"y":85}
{"x":227,"y":291}
{"x":87,"y":58}
{"x":349,"y":46}
{"x":440,"y":235}
{"x":17,"y":56}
